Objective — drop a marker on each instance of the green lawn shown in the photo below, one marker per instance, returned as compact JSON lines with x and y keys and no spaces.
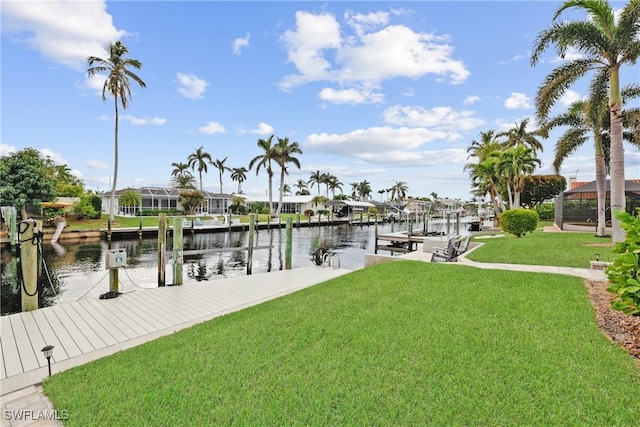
{"x":540,"y":248}
{"x":402,"y":343}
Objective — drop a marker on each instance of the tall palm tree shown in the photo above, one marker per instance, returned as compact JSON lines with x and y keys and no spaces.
{"x":240,"y":175}
{"x":315,"y":178}
{"x":486,"y":145}
{"x":264,"y":161}
{"x":199,"y":160}
{"x":333,"y":183}
{"x":183,"y":181}
{"x":325,"y":178}
{"x":584,"y":118}
{"x":220,"y":165}
{"x":118,"y":85}
{"x":605,"y":45}
{"x":284,"y":154}
{"x":400,"y":188}
{"x":518,"y":135}
{"x":364,"y":189}
{"x":485,"y":176}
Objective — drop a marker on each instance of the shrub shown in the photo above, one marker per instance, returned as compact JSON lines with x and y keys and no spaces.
{"x":257,"y":207}
{"x":96,"y":202}
{"x":83,"y":208}
{"x":625,"y":270}
{"x":519,"y":221}
{"x":265,"y":210}
{"x":373,"y":210}
{"x":546,"y":211}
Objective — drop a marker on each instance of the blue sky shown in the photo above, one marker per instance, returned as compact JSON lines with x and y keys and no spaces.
{"x":383,"y":91}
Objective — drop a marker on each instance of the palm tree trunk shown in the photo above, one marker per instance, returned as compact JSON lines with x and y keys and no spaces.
{"x":115,"y":165}
{"x":270,"y":172}
{"x":281,"y":192}
{"x":601,"y":188}
{"x":616,"y":157}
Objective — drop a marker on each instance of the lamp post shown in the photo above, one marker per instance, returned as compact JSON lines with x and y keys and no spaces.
{"x":48,"y":351}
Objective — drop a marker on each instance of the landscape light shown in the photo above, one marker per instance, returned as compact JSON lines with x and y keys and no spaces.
{"x":48,"y":352}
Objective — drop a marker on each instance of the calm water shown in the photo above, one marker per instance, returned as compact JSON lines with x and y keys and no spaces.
{"x":77,"y":271}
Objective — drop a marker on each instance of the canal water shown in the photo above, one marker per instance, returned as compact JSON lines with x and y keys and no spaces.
{"x":73,"y":271}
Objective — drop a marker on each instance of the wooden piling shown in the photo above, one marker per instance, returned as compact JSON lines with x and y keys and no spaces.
{"x":457,"y":222}
{"x":252,"y":221}
{"x":375,"y":242}
{"x":289,"y":244}
{"x":177,"y":250}
{"x":13,"y":230}
{"x":29,"y":266}
{"x":162,"y":248}
{"x":140,"y":229}
{"x":109,"y":229}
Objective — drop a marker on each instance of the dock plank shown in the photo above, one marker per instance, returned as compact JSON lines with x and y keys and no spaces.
{"x":67,"y":342}
{"x":102,"y":320}
{"x":10,"y":353}
{"x":35,"y":336}
{"x":3,"y":373}
{"x":25,"y":349}
{"x":84,"y":328}
{"x":49,"y":335}
{"x":73,"y":329}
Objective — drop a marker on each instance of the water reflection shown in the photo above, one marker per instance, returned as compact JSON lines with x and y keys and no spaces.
{"x":77,"y":270}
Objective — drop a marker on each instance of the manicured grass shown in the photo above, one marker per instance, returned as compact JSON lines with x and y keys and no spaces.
{"x":403,"y":343}
{"x":540,"y":248}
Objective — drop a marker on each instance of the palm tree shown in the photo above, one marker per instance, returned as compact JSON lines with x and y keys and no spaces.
{"x":284,"y":151}
{"x":118,"y":85}
{"x":518,"y":136}
{"x":240,"y":175}
{"x":514,"y":164}
{"x":333,"y":183}
{"x":315,"y":178}
{"x":605,"y":46}
{"x":287,"y":189}
{"x":198,"y":159}
{"x":183,"y":181}
{"x":400,"y":188}
{"x":585,"y":118}
{"x":487,"y":144}
{"x":364,"y":189}
{"x":325,"y":178}
{"x":301,"y":185}
{"x":381,"y":192}
{"x":264,"y":161}
{"x":485,"y":176}
{"x":219,"y":164}
{"x":354,"y":190}
{"x":179,"y":169}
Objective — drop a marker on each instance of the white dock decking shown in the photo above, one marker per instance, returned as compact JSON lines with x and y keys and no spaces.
{"x":91,"y":328}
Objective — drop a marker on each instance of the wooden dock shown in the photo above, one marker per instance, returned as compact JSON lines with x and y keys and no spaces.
{"x":88,"y":329}
{"x":398,"y":242}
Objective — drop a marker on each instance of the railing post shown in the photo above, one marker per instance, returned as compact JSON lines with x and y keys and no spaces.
{"x":252,"y":220}
{"x":289,"y":244}
{"x":162,"y":248}
{"x":177,"y":250}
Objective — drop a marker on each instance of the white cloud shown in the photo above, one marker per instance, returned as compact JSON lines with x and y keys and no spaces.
{"x":569,"y":97}
{"x":138,"y":121}
{"x":240,"y":43}
{"x":212,"y":128}
{"x":471,"y":99}
{"x":263,"y":129}
{"x":441,"y":118}
{"x":518,"y":101}
{"x":96,"y":164}
{"x":350,"y":96}
{"x":320,"y":53}
{"x":54,"y":156}
{"x":6,"y":149}
{"x":64,"y":32}
{"x":191,"y":86}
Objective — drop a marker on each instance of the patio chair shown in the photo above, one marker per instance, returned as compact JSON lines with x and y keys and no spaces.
{"x":463,"y":245}
{"x":447,"y":254}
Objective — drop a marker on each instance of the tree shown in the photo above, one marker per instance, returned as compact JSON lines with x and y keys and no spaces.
{"x":67,"y":185}
{"x":519,"y":136}
{"x":538,"y":188}
{"x":25,"y":180}
{"x":219,"y":164}
{"x":316,"y":178}
{"x":198,"y":159}
{"x":240,"y":175}
{"x":301,"y":185}
{"x":364,"y":189}
{"x":183,"y":181}
{"x":264,"y":161}
{"x":400,"y":189}
{"x":514,"y":164}
{"x":190,"y":200}
{"x":238,"y":205}
{"x":284,"y":154}
{"x":130,"y":198}
{"x":333,"y":183}
{"x":605,"y":46}
{"x":118,"y":85}
{"x":584,"y":118}
{"x":180,"y":168}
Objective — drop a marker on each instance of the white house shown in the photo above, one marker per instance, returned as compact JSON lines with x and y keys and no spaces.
{"x":158,"y":198}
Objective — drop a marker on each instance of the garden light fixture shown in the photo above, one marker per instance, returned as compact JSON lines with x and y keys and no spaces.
{"x":48,"y":352}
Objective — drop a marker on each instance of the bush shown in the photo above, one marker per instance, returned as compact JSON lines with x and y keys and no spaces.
{"x":546,"y":211}
{"x":625,"y":270}
{"x":373,"y":210}
{"x":519,"y":221}
{"x":265,"y":211}
{"x":257,"y":207}
{"x":156,"y":212}
{"x":96,"y":202}
{"x":83,"y":208}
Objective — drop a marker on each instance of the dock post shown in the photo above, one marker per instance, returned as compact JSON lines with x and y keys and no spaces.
{"x":140,"y":229}
{"x":29,"y":266}
{"x":298,"y":219}
{"x":109,"y":229}
{"x":13,"y":233}
{"x":409,"y":232}
{"x":177,"y":250}
{"x":457,"y":222}
{"x":162,"y":248}
{"x":375,"y":233}
{"x":448,"y":223}
{"x":289,"y":244}
{"x":252,"y":220}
